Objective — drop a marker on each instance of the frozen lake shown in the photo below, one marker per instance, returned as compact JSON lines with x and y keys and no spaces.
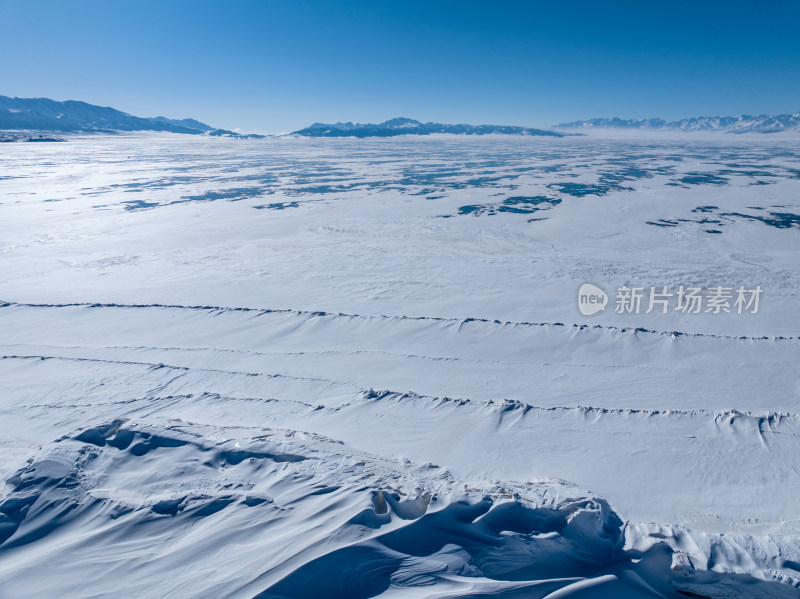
{"x":234,"y":368}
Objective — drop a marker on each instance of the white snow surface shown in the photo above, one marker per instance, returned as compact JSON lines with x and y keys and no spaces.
{"x":344,"y":368}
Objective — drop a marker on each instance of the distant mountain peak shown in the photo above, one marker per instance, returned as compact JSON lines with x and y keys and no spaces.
{"x":401,"y":122}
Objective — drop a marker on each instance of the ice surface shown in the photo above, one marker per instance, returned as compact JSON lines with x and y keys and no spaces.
{"x":344,"y":368}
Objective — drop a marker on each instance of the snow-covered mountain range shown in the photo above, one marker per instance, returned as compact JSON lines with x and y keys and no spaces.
{"x":764,"y":123}
{"x":71,"y":116}
{"x":43,"y":114}
{"x":407,"y":126}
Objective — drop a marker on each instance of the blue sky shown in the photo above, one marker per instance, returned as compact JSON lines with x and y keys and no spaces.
{"x":271,"y":66}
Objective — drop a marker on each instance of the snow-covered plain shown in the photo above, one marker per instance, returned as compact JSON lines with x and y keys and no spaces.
{"x":294,"y":368}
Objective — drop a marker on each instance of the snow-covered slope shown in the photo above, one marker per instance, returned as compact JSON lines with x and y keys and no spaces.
{"x":43,"y":114}
{"x":350,"y":368}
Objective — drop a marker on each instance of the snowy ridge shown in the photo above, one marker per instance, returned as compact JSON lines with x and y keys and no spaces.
{"x":459,"y":321}
{"x":407,"y":126}
{"x":43,"y":114}
{"x":508,"y":406}
{"x":727,"y":124}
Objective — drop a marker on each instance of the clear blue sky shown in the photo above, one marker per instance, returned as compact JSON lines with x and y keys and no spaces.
{"x":273,"y":66}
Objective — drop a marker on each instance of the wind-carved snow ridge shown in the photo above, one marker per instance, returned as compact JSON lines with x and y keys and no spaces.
{"x":508,"y":406}
{"x":341,"y":524}
{"x":459,"y":321}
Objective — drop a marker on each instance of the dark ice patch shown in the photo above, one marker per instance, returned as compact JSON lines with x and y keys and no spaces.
{"x":513,"y":205}
{"x":231,"y":195}
{"x":703,"y":179}
{"x":580,"y":190}
{"x":778,"y":220}
{"x":662,"y":222}
{"x":277,"y":206}
{"x":139,"y":205}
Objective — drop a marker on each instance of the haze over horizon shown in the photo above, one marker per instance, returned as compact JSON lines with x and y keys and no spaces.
{"x":279,"y":66}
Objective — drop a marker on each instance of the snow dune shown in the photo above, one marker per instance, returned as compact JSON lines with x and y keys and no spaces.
{"x":302,"y":516}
